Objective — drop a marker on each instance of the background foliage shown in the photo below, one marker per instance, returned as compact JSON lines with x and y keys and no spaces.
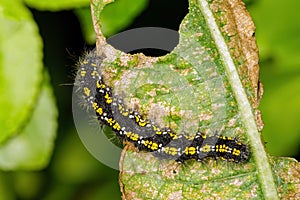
{"x":64,"y":169}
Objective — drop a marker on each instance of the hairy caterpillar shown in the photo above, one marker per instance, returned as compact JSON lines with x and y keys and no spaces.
{"x":130,"y":126}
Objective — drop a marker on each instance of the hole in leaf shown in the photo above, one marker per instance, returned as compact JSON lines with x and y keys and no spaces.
{"x":167,"y":14}
{"x":150,"y":52}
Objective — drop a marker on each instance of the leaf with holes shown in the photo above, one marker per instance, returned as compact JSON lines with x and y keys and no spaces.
{"x":208,"y":83}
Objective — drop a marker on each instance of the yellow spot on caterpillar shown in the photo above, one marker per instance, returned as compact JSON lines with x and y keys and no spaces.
{"x":94,"y":73}
{"x":117,"y":126}
{"x":172,"y":135}
{"x":158,"y":132}
{"x":111,"y":121}
{"x":154,"y":146}
{"x":99,"y":111}
{"x":175,"y":137}
{"x":155,"y":128}
{"x":151,"y":145}
{"x":82,"y":73}
{"x":108,"y":98}
{"x":95,"y":106}
{"x":100,"y":85}
{"x":132,"y":136}
{"x":190,"y":150}
{"x":205,"y":148}
{"x":137,"y":119}
{"x":121,"y":108}
{"x":128,"y":134}
{"x":171,"y":151}
{"x":221,"y":148}
{"x":236,"y":152}
{"x":142,"y":122}
{"x":87,"y":91}
{"x":125,"y":114}
{"x":225,"y":148}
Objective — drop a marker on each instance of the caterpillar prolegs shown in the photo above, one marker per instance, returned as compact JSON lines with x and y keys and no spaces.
{"x":130,"y":126}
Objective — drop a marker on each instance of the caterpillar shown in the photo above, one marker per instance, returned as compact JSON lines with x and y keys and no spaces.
{"x":130,"y":126}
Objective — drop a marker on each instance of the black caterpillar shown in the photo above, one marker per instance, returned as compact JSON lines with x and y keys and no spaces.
{"x":130,"y":126}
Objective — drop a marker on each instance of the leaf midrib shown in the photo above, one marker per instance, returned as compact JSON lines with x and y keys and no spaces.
{"x":257,"y":149}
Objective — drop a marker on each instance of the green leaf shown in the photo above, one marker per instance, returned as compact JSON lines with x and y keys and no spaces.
{"x":114,"y":18}
{"x":278,"y":39}
{"x":20,"y":68}
{"x":32,"y":147}
{"x":144,"y":177}
{"x":5,"y":191}
{"x":282,"y":99}
{"x":84,"y":16}
{"x":209,"y":82}
{"x":118,"y":15}
{"x":55,"y":5}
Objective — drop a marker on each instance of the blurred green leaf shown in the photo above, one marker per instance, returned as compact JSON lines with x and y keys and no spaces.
{"x":32,"y":147}
{"x":282,"y":98}
{"x":55,"y":5}
{"x":20,"y":180}
{"x":74,"y":168}
{"x":104,"y":192}
{"x":277,"y":33}
{"x":6,"y":191}
{"x":20,"y":67}
{"x":116,"y":16}
{"x":85,"y":18}
{"x":85,"y":169}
